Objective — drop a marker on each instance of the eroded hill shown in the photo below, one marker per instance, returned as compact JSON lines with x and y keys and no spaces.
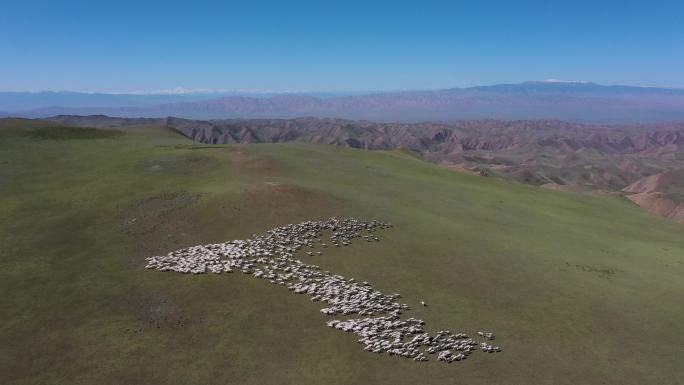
{"x":533,"y":152}
{"x":661,"y":194}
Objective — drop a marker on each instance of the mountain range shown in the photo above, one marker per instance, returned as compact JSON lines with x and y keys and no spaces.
{"x":570,"y":101}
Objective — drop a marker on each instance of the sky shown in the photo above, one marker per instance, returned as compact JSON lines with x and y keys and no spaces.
{"x":122,"y":46}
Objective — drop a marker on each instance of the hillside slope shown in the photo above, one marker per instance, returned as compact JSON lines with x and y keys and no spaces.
{"x":661,"y":194}
{"x":580,"y":289}
{"x":562,"y":155}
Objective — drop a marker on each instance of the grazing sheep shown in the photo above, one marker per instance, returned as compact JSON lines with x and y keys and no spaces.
{"x":271,"y":256}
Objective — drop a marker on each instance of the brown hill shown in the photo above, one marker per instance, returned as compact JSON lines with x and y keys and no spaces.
{"x":669,"y":181}
{"x":660,"y":204}
{"x":535,"y":152}
{"x":661,"y":194}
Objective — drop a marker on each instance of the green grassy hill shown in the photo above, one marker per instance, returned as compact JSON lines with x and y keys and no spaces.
{"x":580,"y":289}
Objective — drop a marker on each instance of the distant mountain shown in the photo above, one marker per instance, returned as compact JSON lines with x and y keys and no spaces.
{"x":582,"y":102}
{"x":586,"y":88}
{"x":28,"y":101}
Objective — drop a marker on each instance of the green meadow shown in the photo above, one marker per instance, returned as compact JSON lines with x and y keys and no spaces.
{"x":580,"y":289}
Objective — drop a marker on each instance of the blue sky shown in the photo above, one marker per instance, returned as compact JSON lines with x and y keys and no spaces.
{"x":335,"y":45}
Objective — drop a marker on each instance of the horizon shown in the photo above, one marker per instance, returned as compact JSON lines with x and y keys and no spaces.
{"x":130,"y":47}
{"x":180,"y":90}
{"x":577,"y":101}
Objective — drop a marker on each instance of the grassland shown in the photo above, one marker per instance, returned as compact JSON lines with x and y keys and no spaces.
{"x":580,"y":289}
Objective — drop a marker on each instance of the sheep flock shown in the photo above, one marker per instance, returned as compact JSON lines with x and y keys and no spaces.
{"x":270,"y":256}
